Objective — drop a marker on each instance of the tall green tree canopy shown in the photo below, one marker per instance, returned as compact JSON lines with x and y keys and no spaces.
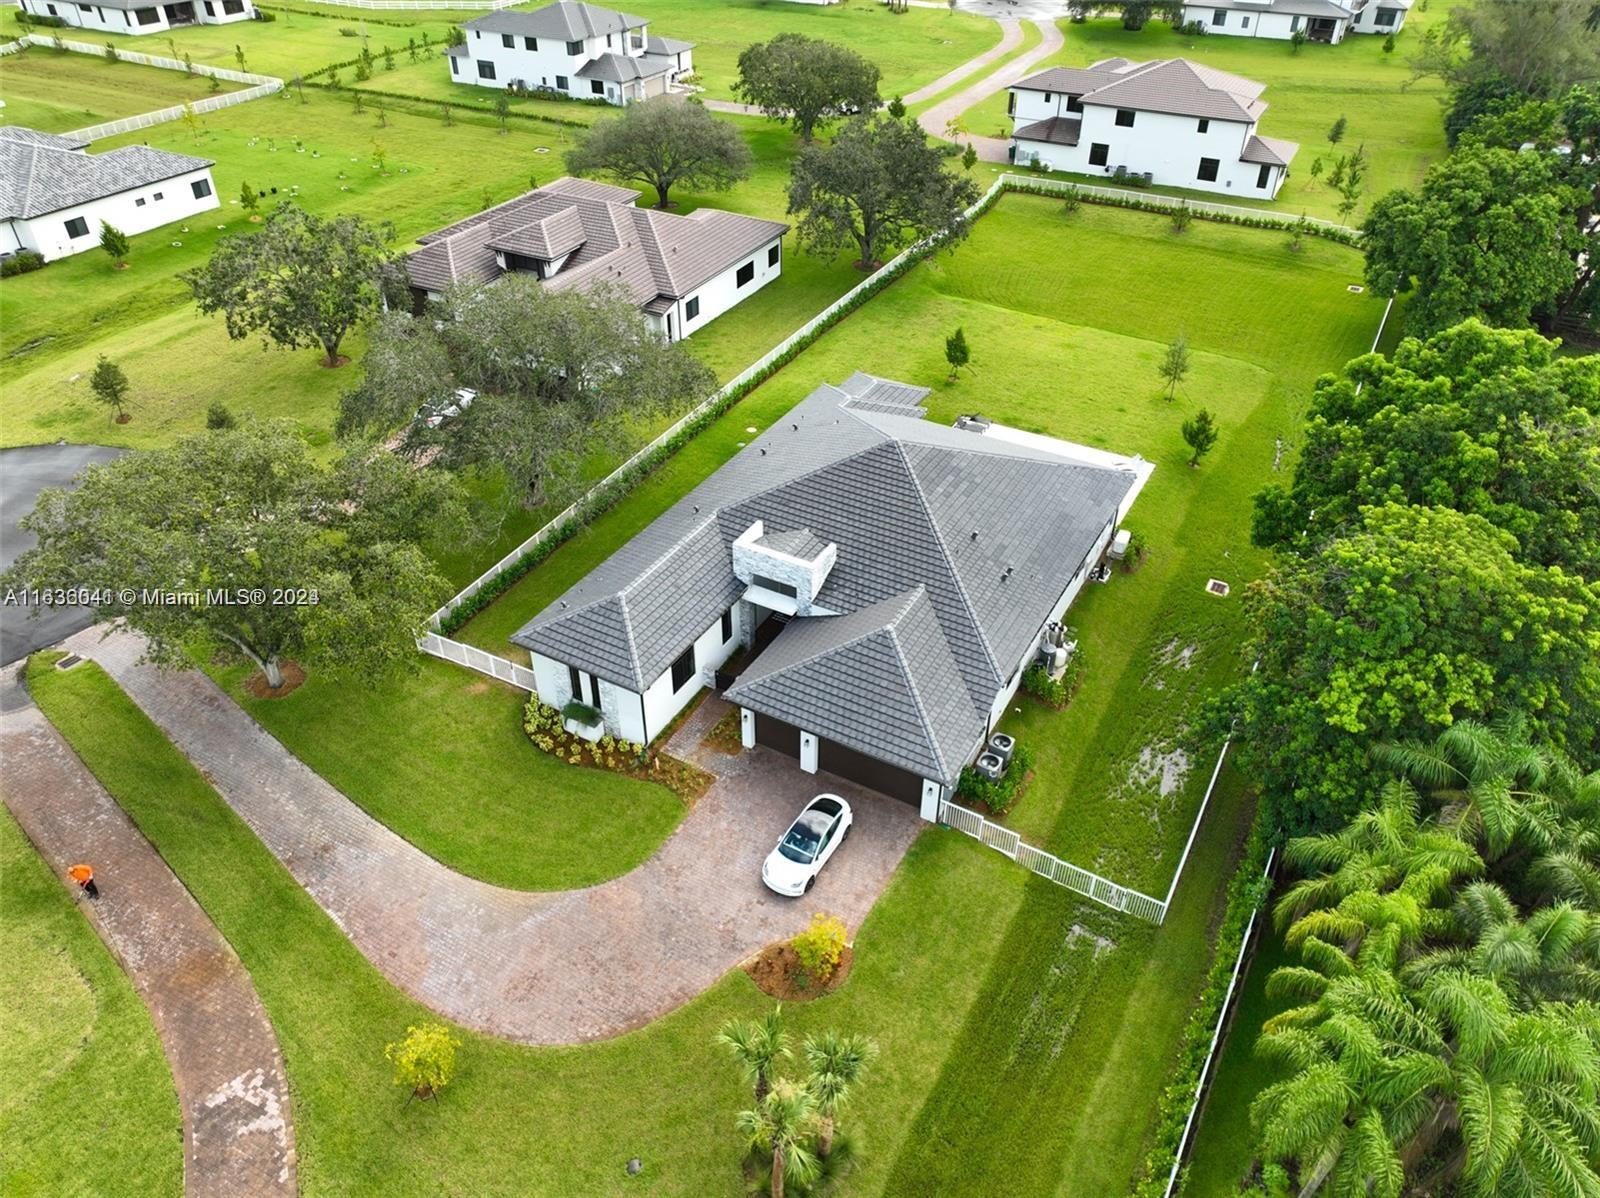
{"x":1491,"y":233}
{"x":879,"y":185}
{"x":247,"y":511}
{"x":557,"y":373}
{"x":806,"y":81}
{"x":300,"y":280}
{"x":1414,"y":618}
{"x":1486,"y":421}
{"x":1539,"y":49}
{"x":661,"y":146}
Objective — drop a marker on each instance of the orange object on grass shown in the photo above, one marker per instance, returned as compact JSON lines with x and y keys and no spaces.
{"x":80,"y":874}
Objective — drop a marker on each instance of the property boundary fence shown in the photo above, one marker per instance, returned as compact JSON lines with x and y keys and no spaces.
{"x":477,"y":659}
{"x":260,"y":85}
{"x":1165,"y":203}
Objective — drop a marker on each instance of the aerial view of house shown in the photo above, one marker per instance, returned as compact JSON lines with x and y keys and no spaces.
{"x":571,"y":48}
{"x":54,"y":194}
{"x":973,"y":600}
{"x":1175,"y":122}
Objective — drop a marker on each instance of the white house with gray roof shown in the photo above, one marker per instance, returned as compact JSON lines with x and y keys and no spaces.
{"x":140,"y":16}
{"x":1181,"y":123}
{"x":892,"y":578}
{"x":53,"y":195}
{"x":1320,"y":20}
{"x":682,"y":271}
{"x":573,"y":49}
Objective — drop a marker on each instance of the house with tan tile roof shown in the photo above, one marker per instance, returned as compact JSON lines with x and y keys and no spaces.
{"x":1173,"y":122}
{"x":681,"y":271}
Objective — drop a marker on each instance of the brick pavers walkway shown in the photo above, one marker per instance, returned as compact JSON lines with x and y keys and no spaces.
{"x":224,"y":1056}
{"x":556,"y":968}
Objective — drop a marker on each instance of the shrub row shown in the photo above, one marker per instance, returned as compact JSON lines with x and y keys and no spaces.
{"x":998,"y":796}
{"x":1057,"y":692}
{"x":1247,"y":892}
{"x":334,"y":16}
{"x":20,"y":263}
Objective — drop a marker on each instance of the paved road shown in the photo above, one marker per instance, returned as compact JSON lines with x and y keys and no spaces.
{"x":237,"y":1138}
{"x":23,"y":474}
{"x":991,"y":149}
{"x":556,"y":968}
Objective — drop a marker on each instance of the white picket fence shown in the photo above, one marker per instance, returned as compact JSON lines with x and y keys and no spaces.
{"x":477,"y":659}
{"x":260,"y":85}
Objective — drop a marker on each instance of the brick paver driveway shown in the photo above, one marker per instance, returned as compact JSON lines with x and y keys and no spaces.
{"x":557,"y":968}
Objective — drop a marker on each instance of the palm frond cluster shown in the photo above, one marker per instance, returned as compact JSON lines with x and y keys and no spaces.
{"x":1445,"y":1033}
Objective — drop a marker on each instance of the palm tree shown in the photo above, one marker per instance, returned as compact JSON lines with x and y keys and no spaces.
{"x":837,"y":1062}
{"x":780,"y":1124}
{"x":758,"y":1046}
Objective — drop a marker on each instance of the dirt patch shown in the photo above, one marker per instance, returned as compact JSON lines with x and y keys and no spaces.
{"x":479,"y":687}
{"x":777,"y":972}
{"x":342,"y":361}
{"x":293,"y":676}
{"x":725,"y":735}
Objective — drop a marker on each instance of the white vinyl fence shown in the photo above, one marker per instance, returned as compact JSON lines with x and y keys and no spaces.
{"x":477,"y":659}
{"x":1156,"y":199}
{"x":259,"y":85}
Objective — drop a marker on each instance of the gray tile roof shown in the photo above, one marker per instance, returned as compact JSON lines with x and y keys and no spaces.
{"x":643,"y":252}
{"x":987,"y":531}
{"x":880,"y":680}
{"x":566,"y":21}
{"x":1056,"y":130}
{"x":33,"y":137}
{"x":623,"y":68}
{"x":1273,"y":151}
{"x":666,"y":45}
{"x":796,"y":542}
{"x":1172,"y":85}
{"x":37,"y":178}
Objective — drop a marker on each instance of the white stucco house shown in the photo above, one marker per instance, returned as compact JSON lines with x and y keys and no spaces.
{"x":53,"y":195}
{"x":140,"y":16}
{"x":883,"y":582}
{"x":682,"y":271}
{"x":1320,"y":20}
{"x":1179,"y":122}
{"x":573,"y":49}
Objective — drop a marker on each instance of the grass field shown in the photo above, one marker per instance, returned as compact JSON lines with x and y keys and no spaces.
{"x":1399,"y":121}
{"x":57,"y":92}
{"x":88,"y":1105}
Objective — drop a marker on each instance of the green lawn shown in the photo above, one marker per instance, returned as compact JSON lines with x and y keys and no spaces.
{"x":88,"y":1105}
{"x":1399,"y":121}
{"x":57,"y":92}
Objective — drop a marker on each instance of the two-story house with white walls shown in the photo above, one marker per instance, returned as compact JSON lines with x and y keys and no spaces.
{"x":682,"y":271}
{"x":1180,"y":123}
{"x":1320,"y":20}
{"x":53,"y":196}
{"x":573,"y":49}
{"x":866,"y":585}
{"x":140,"y":16}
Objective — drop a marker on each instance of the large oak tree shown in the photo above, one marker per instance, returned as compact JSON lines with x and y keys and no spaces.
{"x":806,"y":81}
{"x":661,"y":145}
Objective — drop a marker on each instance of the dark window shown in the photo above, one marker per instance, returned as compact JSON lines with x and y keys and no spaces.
{"x":1011,"y":104}
{"x":77,"y":227}
{"x":683,"y":669}
{"x":772,"y":256}
{"x":1204,"y":125}
{"x":1244,"y":22}
{"x":1264,"y":175}
{"x":746,"y":273}
{"x":1048,"y":96}
{"x":485,"y":69}
{"x":1294,"y":24}
{"x":138,"y":202}
{"x":1208,"y":169}
{"x":509,"y":42}
{"x":1219,"y":17}
{"x":1074,"y":103}
{"x":597,"y":87}
{"x":576,"y":679}
{"x":147,"y":16}
{"x":594,"y":692}
{"x":530,"y":43}
{"x":1385,"y":17}
{"x":691,"y":307}
{"x":455,"y":66}
{"x":608,"y":41}
{"x":1125,"y":118}
{"x":1099,"y":153}
{"x":157,"y":196}
{"x":201,"y":188}
{"x":561,"y":83}
{"x":574,"y":48}
{"x":773,"y":585}
{"x":727,"y":626}
{"x":52,"y":9}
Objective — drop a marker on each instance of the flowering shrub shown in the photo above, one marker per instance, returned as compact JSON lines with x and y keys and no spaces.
{"x":425,"y":1060}
{"x":546,"y":728}
{"x":821,"y":946}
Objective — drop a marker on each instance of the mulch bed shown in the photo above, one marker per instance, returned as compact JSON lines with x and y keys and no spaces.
{"x":777,"y":972}
{"x":293,"y":676}
{"x":726,"y":735}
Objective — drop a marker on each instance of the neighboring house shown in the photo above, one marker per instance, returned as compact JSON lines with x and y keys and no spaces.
{"x":1320,"y":20}
{"x":1180,"y":123}
{"x":893,"y":577}
{"x":53,"y":196}
{"x":140,"y":16}
{"x":682,"y":271}
{"x":573,"y":49}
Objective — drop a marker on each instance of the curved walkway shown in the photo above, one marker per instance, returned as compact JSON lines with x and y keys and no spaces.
{"x":992,"y":149}
{"x":237,"y":1137}
{"x":1010,"y":39}
{"x":556,"y":968}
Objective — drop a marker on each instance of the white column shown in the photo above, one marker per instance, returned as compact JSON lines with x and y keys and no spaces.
{"x":747,"y":728}
{"x":932,"y":792}
{"x":808,"y":752}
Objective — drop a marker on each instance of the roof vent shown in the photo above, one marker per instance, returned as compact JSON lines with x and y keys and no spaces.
{"x":974,"y":534}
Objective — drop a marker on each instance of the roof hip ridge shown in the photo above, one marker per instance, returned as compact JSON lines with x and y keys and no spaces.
{"x":923,"y":716}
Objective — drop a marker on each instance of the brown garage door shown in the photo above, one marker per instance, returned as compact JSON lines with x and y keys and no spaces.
{"x":869,"y":771}
{"x":776,"y":734}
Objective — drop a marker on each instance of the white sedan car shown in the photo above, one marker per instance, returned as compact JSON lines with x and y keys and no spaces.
{"x":816,"y":833}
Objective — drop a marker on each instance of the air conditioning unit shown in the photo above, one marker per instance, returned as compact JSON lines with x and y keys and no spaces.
{"x":1002,"y":746}
{"x":1119,"y":545}
{"x":990,"y":766}
{"x":973,"y":423}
